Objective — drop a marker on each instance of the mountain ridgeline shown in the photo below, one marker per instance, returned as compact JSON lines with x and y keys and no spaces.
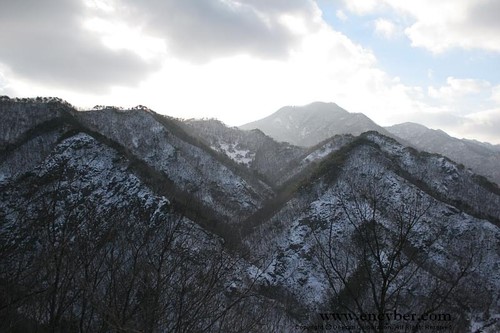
{"x":481,"y":157}
{"x":310,"y":124}
{"x":128,"y":220}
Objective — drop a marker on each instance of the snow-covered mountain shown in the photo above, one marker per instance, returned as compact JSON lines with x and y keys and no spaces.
{"x":127,"y":224}
{"x":322,"y":237}
{"x":127,"y":220}
{"x":483,"y":158}
{"x":252,"y":149}
{"x":310,"y":124}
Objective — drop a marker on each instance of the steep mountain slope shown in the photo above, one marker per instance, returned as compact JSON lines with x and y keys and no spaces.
{"x":483,"y":158}
{"x":84,"y":237}
{"x":310,"y":234}
{"x":277,"y":162}
{"x":126,"y":220}
{"x":95,"y":238}
{"x":152,"y":139}
{"x":253,"y":149}
{"x":310,"y":124}
{"x":20,"y":116}
{"x":195,"y":168}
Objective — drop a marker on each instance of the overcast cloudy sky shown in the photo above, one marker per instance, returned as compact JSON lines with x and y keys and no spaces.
{"x":432,"y":62}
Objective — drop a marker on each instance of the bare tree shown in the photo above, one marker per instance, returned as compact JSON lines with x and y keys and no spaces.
{"x":72,"y":264}
{"x":375,"y":269}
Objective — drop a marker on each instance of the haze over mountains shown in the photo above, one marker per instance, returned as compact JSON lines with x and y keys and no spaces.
{"x":483,"y":158}
{"x":114,"y":219}
{"x":313,"y":123}
{"x":310,"y":124}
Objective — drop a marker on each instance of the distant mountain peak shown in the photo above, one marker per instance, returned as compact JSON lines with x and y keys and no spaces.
{"x":311,"y":108}
{"x":410,"y":124}
{"x":310,"y":124}
{"x":483,"y":158}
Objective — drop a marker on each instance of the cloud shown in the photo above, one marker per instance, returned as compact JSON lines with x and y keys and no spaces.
{"x":457,"y":88}
{"x":386,"y":28}
{"x":495,"y":94}
{"x":462,"y":96}
{"x":341,"y":15}
{"x":46,"y":42}
{"x":201,"y":30}
{"x":462,"y":107}
{"x":326,"y":65}
{"x":237,"y":60}
{"x":5,"y":88}
{"x":439,"y":26}
{"x":482,"y":126}
{"x":361,"y":7}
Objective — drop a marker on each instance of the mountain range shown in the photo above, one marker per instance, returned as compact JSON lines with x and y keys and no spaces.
{"x":310,"y":124}
{"x":483,"y":158}
{"x":128,"y":220}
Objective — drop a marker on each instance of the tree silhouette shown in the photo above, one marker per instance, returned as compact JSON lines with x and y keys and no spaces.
{"x":377,"y":269}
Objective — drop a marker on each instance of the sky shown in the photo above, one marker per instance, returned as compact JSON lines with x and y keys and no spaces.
{"x":432,"y":62}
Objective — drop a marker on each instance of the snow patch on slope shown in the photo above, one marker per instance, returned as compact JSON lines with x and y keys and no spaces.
{"x":241,"y":156}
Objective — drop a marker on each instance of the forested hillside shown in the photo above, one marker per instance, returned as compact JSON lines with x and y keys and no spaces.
{"x":118,"y":220}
